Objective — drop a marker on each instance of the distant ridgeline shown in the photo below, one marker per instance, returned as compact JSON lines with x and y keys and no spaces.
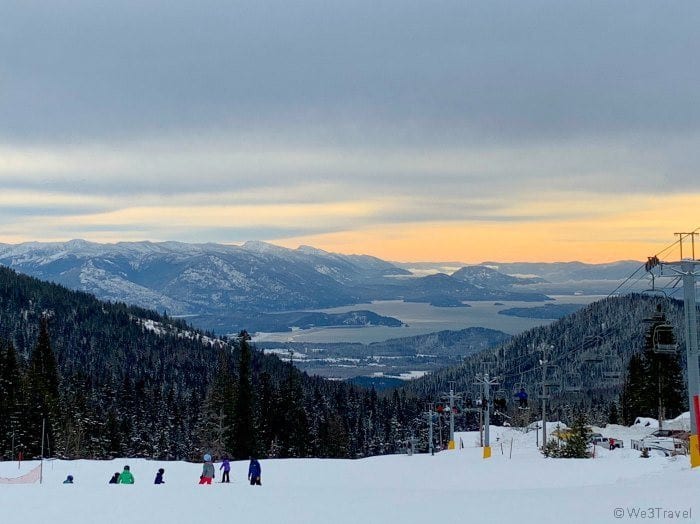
{"x":589,"y":358}
{"x":112,"y":380}
{"x":222,"y":287}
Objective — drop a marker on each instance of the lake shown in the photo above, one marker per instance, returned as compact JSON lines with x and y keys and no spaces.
{"x":424,"y":318}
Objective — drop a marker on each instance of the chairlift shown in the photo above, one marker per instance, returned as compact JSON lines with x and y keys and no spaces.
{"x":522,"y":396}
{"x":572,"y":383}
{"x":499,"y":400}
{"x":660,"y":337}
{"x":592,"y":341}
{"x":664,"y":340}
{"x":593,"y":358}
{"x":612,"y":375}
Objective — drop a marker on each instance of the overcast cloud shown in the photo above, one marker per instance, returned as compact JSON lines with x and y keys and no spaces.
{"x":369,"y":112}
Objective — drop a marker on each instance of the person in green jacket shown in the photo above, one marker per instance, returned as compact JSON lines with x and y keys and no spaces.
{"x":126,"y":476}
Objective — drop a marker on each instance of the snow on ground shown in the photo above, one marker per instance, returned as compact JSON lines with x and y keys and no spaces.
{"x":451,"y":487}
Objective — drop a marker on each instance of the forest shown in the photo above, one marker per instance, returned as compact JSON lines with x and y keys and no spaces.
{"x":107,"y":385}
{"x":106,"y":380}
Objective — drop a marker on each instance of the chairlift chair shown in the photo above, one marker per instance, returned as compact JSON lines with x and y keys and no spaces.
{"x":572,"y":383}
{"x":612,"y":375}
{"x":660,"y":336}
{"x":593,"y":358}
{"x":664,"y":339}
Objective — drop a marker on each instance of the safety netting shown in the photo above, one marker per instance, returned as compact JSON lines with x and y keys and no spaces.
{"x":29,"y":477}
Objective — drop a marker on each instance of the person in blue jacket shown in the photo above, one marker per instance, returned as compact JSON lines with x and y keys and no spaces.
{"x":522,"y":397}
{"x":254,"y":471}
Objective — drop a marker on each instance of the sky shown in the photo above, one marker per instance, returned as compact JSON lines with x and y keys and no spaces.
{"x":409,"y":130}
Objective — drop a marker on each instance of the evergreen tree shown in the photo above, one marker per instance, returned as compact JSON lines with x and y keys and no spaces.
{"x":576,"y":446}
{"x":613,"y":416}
{"x":664,"y":390}
{"x":42,"y":393}
{"x":217,"y":416}
{"x":633,"y":400}
{"x":10,"y":409}
{"x":243,"y":438}
{"x":293,"y":427}
{"x":654,"y":386}
{"x":267,"y":418}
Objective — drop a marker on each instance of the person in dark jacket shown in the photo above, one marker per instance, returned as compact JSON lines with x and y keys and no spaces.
{"x":159,"y":477}
{"x":69,"y":480}
{"x":115,"y":478}
{"x":226,"y":466}
{"x":254,"y":471}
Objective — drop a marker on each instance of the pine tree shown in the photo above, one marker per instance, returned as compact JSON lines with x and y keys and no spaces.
{"x":293,"y":428}
{"x":632,"y":399}
{"x":217,"y":416}
{"x":42,"y":392}
{"x":613,"y":416}
{"x":654,"y":385}
{"x":576,"y":446}
{"x":665,"y":389}
{"x":243,"y":438}
{"x":267,"y":419}
{"x":10,"y":400}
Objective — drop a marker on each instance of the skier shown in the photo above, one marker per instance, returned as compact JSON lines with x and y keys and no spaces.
{"x":159,"y":477}
{"x":500,"y":404}
{"x":126,"y":477}
{"x":226,"y":466}
{"x":207,"y":470}
{"x":254,"y":472}
{"x":522,"y":397}
{"x":69,"y":480}
{"x":115,"y":478}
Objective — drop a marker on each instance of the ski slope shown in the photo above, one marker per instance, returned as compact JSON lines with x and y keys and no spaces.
{"x":514,"y":486}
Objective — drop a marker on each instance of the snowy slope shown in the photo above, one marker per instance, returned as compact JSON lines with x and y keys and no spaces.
{"x":451,"y":487}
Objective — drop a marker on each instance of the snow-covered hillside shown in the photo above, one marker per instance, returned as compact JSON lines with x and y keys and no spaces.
{"x":452,"y":486}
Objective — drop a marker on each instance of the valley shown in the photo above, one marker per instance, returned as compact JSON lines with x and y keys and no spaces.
{"x":343,"y":353}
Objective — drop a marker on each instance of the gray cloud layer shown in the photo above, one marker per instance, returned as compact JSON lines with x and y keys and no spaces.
{"x":317,"y":101}
{"x":78,"y":70}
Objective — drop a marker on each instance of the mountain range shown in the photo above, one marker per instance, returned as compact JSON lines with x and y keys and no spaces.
{"x":226,"y":288}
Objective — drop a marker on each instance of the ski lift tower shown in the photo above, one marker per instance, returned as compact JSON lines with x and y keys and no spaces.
{"x":486,"y":381}
{"x":451,"y":399}
{"x":686,"y":269}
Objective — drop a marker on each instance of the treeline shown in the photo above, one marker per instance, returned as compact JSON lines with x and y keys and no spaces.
{"x":110,"y":380}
